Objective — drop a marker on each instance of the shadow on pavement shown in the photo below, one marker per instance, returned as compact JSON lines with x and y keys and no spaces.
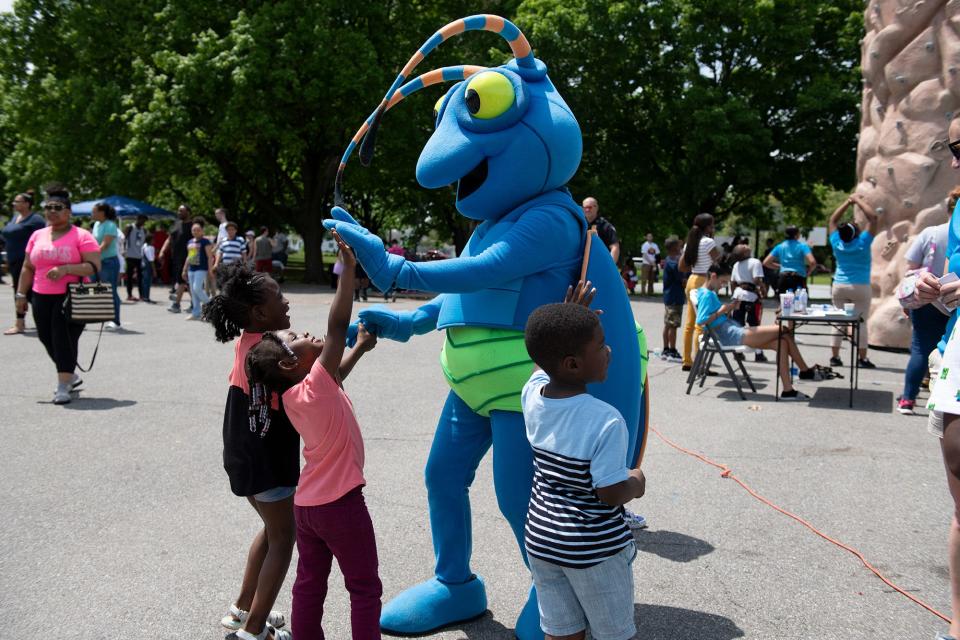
{"x":98,"y":404}
{"x":671,"y":545}
{"x":483,"y":628}
{"x":869,"y":400}
{"x":656,"y":622}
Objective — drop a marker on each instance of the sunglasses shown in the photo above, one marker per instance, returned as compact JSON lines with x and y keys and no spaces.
{"x":955,"y":148}
{"x":54,"y":207}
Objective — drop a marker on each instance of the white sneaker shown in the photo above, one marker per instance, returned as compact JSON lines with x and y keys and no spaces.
{"x":61,"y":396}
{"x":111,"y":326}
{"x":76,"y":381}
{"x":634,"y":521}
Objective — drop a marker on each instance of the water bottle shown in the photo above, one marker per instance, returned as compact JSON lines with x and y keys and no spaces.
{"x":800,"y":306}
{"x":787,"y":303}
{"x":794,"y":372}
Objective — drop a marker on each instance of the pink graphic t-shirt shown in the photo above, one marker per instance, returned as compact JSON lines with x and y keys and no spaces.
{"x":332,"y":445}
{"x":45,"y":254}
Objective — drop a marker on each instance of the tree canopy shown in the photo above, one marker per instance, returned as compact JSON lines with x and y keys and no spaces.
{"x":685,"y":105}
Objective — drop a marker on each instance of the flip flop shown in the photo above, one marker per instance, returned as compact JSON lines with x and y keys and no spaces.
{"x":12,"y":331}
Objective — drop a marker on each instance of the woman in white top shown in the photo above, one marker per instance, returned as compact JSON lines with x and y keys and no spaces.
{"x":699,"y":253}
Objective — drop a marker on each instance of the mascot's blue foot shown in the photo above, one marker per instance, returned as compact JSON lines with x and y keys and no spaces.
{"x":434,"y":604}
{"x":528,"y":624}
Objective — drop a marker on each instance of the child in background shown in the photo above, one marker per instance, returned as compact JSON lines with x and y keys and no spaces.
{"x":629,"y":275}
{"x":747,"y":277}
{"x":148,"y":268}
{"x":579,"y":548}
{"x":331,"y":515}
{"x":673,"y":300}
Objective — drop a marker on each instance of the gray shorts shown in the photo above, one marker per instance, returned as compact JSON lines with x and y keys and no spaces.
{"x":599,"y":597}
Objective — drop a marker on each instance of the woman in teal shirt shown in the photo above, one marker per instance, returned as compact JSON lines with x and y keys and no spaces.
{"x":851,"y":281}
{"x":105,"y":231}
{"x":794,"y":260}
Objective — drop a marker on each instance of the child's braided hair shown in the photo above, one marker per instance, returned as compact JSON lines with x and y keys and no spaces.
{"x":229,"y":311}
{"x":263,"y":374}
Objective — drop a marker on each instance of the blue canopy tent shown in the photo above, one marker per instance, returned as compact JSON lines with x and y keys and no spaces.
{"x":126,"y":207}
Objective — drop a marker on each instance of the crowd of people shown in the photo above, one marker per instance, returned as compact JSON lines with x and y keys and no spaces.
{"x":46,"y":253}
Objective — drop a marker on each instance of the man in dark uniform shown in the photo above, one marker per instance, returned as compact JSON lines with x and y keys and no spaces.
{"x":606,"y":231}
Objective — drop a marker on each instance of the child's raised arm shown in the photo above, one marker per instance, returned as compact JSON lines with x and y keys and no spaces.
{"x":339,"y":318}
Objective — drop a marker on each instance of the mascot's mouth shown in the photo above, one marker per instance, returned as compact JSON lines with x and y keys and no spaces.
{"x":472,"y":181}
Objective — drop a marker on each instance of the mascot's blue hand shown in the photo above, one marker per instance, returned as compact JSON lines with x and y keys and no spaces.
{"x":352,"y":332}
{"x":381,"y":267}
{"x":386,"y":323}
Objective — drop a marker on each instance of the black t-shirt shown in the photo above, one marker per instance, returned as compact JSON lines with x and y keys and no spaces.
{"x":179,"y":237}
{"x":254,"y":463}
{"x":606,"y":231}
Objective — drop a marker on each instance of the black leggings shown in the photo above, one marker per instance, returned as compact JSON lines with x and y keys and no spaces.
{"x":15,"y":268}
{"x":59,"y":337}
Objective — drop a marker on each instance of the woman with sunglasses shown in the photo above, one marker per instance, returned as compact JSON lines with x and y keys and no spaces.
{"x":56,"y":256}
{"x":944,"y":404}
{"x":16,"y":234}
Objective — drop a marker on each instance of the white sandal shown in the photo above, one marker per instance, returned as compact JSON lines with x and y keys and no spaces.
{"x":278,"y":634}
{"x":235,"y":619}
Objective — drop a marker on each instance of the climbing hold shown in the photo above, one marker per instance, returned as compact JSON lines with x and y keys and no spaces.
{"x":952,"y":69}
{"x":907,"y":204}
{"x":901,"y":79}
{"x":874,"y":54}
{"x":890,"y":170}
{"x":948,"y":115}
{"x":881,"y":210}
{"x":899,"y":124}
{"x":872,"y":180}
{"x":930,"y":46}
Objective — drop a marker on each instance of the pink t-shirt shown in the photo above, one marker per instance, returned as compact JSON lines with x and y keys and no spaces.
{"x":332,"y":445}
{"x":45,"y":254}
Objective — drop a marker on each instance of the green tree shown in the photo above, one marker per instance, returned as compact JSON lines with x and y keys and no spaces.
{"x":705,"y":105}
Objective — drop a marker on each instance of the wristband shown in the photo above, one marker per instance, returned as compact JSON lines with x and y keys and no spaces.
{"x":20,"y":296}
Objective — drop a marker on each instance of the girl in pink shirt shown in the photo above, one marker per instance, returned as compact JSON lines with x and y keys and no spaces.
{"x":332,"y":518}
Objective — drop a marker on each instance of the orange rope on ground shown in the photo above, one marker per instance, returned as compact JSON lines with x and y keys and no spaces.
{"x":727,"y":473}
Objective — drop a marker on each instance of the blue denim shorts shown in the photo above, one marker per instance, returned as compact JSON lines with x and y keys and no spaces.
{"x":275,"y":495}
{"x":730,"y":334}
{"x":599,"y":597}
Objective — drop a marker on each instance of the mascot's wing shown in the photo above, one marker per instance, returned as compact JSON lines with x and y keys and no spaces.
{"x":623,"y":388}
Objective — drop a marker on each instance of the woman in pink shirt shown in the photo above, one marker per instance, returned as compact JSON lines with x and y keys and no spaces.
{"x":57,"y":255}
{"x":332,"y":517}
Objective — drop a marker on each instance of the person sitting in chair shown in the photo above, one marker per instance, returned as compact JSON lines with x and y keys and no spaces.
{"x":713,"y":317}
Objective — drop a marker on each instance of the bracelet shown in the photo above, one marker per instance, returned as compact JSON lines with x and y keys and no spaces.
{"x":20,"y":296}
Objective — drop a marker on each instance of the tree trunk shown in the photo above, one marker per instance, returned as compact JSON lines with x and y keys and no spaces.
{"x":311,"y":228}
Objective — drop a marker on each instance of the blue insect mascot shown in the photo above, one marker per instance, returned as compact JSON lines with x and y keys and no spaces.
{"x":510,"y":143}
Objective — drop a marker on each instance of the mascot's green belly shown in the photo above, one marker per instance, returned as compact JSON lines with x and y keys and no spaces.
{"x":487,"y":368}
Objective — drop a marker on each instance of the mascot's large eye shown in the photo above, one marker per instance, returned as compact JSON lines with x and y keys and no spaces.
{"x":489,"y":94}
{"x":436,"y":107}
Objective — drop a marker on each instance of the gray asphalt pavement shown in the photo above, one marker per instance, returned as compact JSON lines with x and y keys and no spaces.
{"x":116,"y":519}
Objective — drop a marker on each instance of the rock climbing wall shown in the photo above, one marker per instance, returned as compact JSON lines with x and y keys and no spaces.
{"x":911,"y":91}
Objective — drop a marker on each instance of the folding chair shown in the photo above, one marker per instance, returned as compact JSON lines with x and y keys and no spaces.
{"x":710,"y":347}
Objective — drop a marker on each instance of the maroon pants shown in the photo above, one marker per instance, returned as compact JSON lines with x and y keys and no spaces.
{"x":341,"y":529}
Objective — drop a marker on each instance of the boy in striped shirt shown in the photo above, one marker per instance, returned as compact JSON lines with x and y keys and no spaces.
{"x":579,"y":548}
